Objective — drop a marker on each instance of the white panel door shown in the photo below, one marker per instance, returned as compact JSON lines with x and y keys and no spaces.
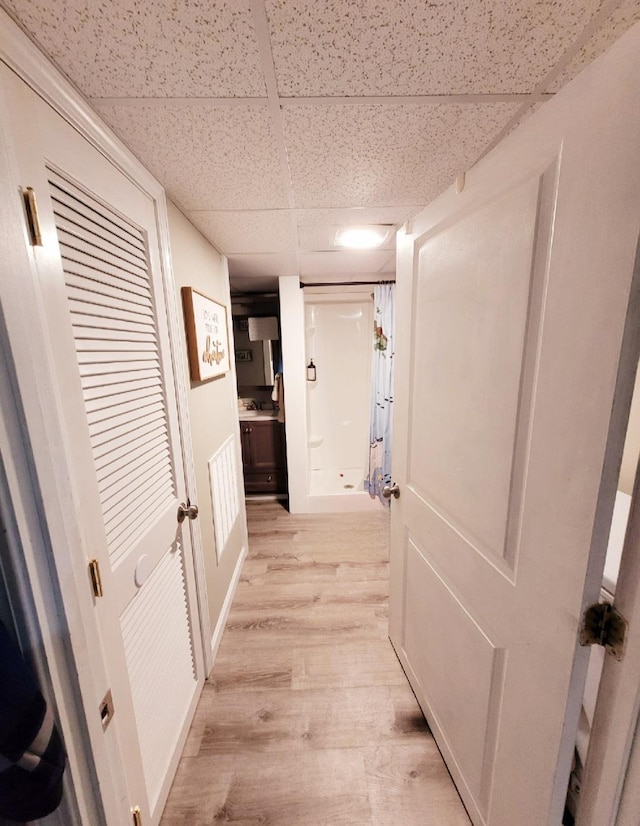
{"x":102,"y":318}
{"x":513,"y":375}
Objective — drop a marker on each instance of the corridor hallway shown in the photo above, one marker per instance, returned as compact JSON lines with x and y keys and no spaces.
{"x":307,"y":718}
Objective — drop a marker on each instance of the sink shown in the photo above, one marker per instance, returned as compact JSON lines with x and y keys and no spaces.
{"x":245,"y":415}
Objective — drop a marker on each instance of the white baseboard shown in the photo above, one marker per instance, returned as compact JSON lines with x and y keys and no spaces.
{"x":226,"y":606}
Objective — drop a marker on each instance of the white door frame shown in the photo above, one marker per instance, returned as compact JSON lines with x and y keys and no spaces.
{"x":43,"y":535}
{"x":608,"y":767}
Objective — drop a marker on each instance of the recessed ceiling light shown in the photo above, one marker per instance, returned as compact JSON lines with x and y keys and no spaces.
{"x":363,"y":237}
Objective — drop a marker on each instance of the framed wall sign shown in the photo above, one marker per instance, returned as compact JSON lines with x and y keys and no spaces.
{"x":207,"y":335}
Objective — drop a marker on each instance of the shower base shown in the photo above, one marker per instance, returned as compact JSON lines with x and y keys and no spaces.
{"x":338,"y":490}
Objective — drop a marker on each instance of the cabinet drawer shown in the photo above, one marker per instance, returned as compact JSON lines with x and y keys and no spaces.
{"x":265,"y":481}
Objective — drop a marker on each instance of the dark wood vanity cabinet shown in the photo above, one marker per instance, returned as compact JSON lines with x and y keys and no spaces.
{"x":263,"y":456}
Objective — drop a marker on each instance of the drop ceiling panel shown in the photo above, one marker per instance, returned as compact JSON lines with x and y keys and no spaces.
{"x":247,"y":232}
{"x":368,"y":155}
{"x":207,"y":156}
{"x":347,"y":261}
{"x":252,"y":265}
{"x":410,"y":47}
{"x":622,"y":19}
{"x":155,"y":48}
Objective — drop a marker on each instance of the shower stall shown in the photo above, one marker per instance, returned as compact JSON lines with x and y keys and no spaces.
{"x":338,"y":350}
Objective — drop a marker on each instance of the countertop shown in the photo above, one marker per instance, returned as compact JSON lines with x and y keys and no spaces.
{"x":257,"y":415}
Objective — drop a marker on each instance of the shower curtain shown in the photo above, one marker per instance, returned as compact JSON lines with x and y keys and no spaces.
{"x":379,"y":473}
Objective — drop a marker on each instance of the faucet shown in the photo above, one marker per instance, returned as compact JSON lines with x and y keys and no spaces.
{"x":252,"y":405}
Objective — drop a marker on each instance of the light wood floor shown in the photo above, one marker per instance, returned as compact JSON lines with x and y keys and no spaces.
{"x":307,"y":718}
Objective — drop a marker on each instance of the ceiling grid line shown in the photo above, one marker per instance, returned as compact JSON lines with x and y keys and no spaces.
{"x":263,"y":37}
{"x":538,"y":94}
{"x":273,"y":123}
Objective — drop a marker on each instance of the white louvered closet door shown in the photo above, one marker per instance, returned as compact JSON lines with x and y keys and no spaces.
{"x":102,"y":296}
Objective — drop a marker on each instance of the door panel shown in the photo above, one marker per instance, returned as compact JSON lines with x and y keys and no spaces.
{"x":470,"y":324}
{"x":102,"y":322}
{"x":513,"y":296}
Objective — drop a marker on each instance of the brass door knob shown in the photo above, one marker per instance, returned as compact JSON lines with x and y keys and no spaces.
{"x":187,"y":511}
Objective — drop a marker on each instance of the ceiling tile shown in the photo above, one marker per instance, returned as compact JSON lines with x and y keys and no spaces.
{"x":347,"y":261}
{"x":275,"y":264}
{"x":410,"y":47}
{"x":207,"y":156}
{"x":249,"y":231}
{"x":155,"y":48}
{"x":367,"y":155}
{"x":622,"y":19}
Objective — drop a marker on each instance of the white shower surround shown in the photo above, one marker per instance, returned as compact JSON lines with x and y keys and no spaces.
{"x":338,"y":325}
{"x":292,"y":322}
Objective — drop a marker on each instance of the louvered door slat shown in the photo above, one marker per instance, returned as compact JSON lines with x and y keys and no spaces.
{"x":93,"y":301}
{"x":95,"y":386}
{"x":94,"y":288}
{"x":85,"y":321}
{"x":93,"y":371}
{"x":113,"y":411}
{"x":132,"y":494}
{"x":99,"y":345}
{"x":117,"y":488}
{"x":102,"y":246}
{"x":111,"y":302}
{"x":118,"y":280}
{"x":118,"y":359}
{"x":129,"y":526}
{"x":159,"y":694}
{"x":90,"y":267}
{"x":120,"y":437}
{"x":124,"y":461}
{"x":106,"y":312}
{"x":73,"y":216}
{"x":99,"y":398}
{"x":73,"y":245}
{"x":124,"y":520}
{"x":102,"y":426}
{"x":64,"y":190}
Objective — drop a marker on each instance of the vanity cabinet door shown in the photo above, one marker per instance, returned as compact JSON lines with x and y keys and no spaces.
{"x":263,"y":456}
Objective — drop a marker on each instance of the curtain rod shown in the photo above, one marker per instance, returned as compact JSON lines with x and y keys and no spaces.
{"x":345,"y":284}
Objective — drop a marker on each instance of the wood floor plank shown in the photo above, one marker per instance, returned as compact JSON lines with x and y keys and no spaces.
{"x":409,"y":783}
{"x":369,"y":663}
{"x":307,"y":718}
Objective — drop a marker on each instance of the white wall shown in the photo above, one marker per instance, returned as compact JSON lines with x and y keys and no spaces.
{"x":293,"y":360}
{"x":213,"y":409}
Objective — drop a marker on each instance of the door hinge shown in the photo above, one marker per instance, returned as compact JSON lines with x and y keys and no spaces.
{"x":96,"y":579}
{"x":106,"y":710}
{"x":33,"y":219}
{"x":603,"y":624}
{"x":137,"y":816}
